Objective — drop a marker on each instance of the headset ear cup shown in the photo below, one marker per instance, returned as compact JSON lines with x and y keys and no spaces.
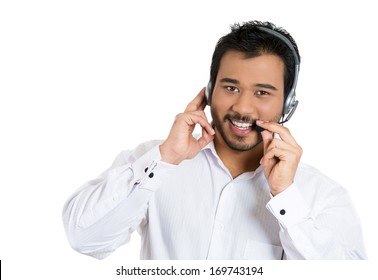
{"x":208,"y":93}
{"x":289,"y":102}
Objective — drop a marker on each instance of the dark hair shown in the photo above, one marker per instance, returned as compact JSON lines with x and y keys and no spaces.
{"x":252,"y":41}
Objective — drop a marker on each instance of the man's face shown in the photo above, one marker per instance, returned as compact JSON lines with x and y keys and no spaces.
{"x":246,"y":90}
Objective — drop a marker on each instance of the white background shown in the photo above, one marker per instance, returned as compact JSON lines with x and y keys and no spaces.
{"x":82,"y":80}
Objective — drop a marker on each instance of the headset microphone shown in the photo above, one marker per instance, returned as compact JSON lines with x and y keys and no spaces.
{"x":260,"y":129}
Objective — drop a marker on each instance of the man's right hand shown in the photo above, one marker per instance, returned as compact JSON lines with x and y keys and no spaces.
{"x":181,"y":144}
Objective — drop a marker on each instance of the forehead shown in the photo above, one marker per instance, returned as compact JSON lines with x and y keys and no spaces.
{"x":262,"y":68}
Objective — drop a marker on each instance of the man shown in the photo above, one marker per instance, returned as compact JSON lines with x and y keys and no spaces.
{"x":238,"y":190}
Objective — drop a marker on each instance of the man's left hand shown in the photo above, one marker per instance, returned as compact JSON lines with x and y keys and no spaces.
{"x":281,"y":156}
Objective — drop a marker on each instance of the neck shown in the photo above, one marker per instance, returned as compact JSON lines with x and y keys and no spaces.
{"x":239,"y":162}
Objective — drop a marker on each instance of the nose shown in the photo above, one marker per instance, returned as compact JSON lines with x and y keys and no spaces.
{"x":244,"y":104}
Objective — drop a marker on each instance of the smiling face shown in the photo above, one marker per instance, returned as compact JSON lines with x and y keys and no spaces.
{"x":246,"y":90}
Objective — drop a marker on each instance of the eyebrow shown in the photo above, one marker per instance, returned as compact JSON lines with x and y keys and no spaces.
{"x":229,"y":80}
{"x":267,"y":86}
{"x":236,"y":82}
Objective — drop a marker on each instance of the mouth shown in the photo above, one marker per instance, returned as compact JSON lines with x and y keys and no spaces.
{"x":241,"y":125}
{"x":241,"y":128}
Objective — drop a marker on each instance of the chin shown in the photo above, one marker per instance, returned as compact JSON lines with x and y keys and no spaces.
{"x":240,"y":143}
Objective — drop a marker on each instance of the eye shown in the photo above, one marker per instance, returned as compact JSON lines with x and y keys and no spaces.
{"x":232,"y":89}
{"x":262,"y":93}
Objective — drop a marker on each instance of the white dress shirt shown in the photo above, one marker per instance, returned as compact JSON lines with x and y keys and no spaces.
{"x":196,"y":210}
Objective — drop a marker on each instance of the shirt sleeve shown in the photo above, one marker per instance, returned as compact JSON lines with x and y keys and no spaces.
{"x":326,"y":229}
{"x":102,"y":214}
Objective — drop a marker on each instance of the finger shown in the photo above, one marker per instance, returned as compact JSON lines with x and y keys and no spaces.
{"x":203,"y":115}
{"x":283,"y":153}
{"x":284,"y":132}
{"x":268,"y":162}
{"x":198,"y":103}
{"x":199,"y":113}
{"x":277,"y":153}
{"x":272,"y":156}
{"x":267,"y":137}
{"x":205,"y":139}
{"x":278,"y":143}
{"x":193,"y":119}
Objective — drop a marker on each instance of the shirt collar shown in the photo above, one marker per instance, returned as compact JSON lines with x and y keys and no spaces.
{"x":247,"y":175}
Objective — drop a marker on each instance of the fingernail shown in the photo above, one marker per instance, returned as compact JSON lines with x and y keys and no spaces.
{"x":260,"y":122}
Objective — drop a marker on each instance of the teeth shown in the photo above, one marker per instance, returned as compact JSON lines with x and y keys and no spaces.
{"x":242,"y":126}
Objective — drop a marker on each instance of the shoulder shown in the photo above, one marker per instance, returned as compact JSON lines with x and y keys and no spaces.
{"x":308,"y":172}
{"x":313,"y":183}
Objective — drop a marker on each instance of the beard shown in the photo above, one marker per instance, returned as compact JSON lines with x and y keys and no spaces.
{"x":236,"y":142}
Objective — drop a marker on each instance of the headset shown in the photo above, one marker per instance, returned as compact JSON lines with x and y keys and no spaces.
{"x":290,"y":104}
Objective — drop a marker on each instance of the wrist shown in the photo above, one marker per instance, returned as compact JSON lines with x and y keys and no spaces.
{"x":168,"y":156}
{"x":276,"y":191}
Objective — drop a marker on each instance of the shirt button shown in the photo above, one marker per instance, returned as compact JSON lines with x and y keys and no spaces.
{"x":151,"y":175}
{"x":282,"y":212}
{"x":145,"y":170}
{"x":220,"y":227}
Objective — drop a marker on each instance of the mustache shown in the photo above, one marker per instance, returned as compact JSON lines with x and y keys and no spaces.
{"x":238,"y":117}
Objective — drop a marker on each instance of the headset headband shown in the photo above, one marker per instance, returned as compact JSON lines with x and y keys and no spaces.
{"x":290,"y":102}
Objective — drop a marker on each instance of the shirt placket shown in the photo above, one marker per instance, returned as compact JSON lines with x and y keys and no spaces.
{"x":219,"y":247}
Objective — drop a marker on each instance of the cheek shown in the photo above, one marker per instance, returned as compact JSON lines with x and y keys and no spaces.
{"x":215,"y":114}
{"x":218,"y":112}
{"x":219,"y":105}
{"x":269,"y":110}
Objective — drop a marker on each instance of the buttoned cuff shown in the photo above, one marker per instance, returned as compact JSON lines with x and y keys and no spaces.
{"x":289,"y":207}
{"x":149,"y":170}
